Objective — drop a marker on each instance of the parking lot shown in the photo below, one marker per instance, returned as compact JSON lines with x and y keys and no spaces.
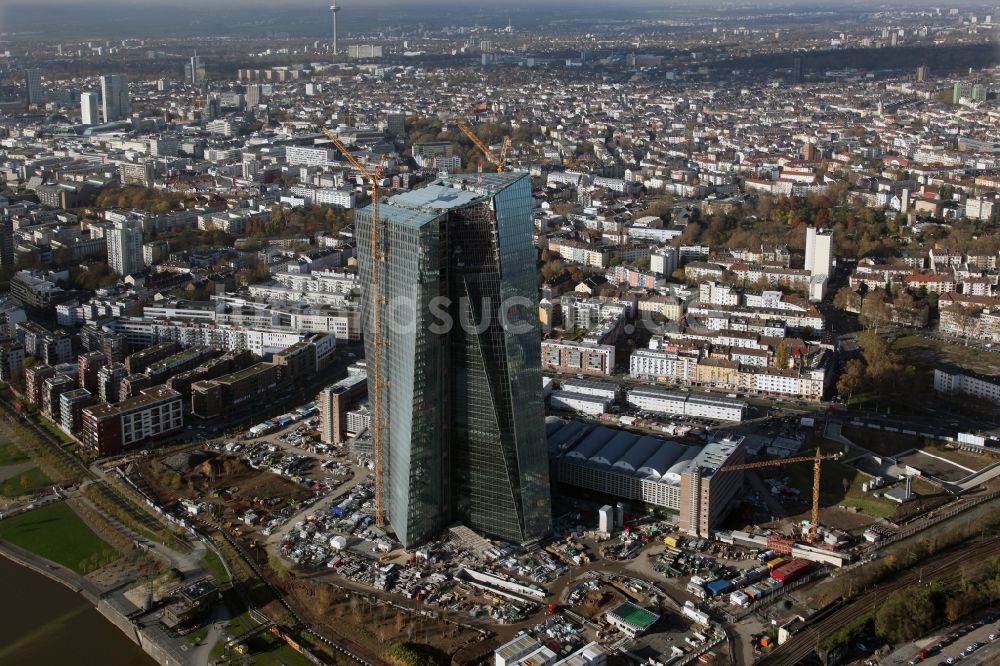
{"x":951,"y":646}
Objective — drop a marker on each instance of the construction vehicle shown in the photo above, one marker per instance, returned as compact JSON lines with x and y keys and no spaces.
{"x":376,"y":385}
{"x":499,"y":161}
{"x":816,"y":460}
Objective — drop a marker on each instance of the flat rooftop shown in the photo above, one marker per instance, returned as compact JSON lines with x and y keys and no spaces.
{"x":635,"y":616}
{"x":435,"y":197}
{"x":147,"y":398}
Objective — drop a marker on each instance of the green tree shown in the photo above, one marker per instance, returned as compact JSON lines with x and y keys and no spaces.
{"x":907,"y":614}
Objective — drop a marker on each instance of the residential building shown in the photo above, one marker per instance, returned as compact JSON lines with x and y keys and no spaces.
{"x":687,"y":404}
{"x":109,"y":380}
{"x":51,"y":390}
{"x":11,"y":360}
{"x":334,"y":403}
{"x":91,"y":364}
{"x":111,"y":429}
{"x":233,"y":392}
{"x":578,"y":357}
{"x":953,"y":380}
{"x":819,"y":251}
{"x":71,"y":406}
{"x":124,"y":238}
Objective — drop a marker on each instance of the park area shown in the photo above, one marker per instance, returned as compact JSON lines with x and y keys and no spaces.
{"x":10,"y":454}
{"x":24,"y":482}
{"x":888,"y":443}
{"x":56,"y":533}
{"x":927,"y":353}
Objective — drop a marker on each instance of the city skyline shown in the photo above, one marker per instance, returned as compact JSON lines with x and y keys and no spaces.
{"x":531,"y":334}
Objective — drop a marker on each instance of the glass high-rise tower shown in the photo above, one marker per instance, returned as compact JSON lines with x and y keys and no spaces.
{"x":464,"y":432}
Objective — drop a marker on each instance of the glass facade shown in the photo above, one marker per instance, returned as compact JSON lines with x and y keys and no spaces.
{"x":463,"y":402}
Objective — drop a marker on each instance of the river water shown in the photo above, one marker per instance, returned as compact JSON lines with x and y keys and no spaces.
{"x":44,"y":622}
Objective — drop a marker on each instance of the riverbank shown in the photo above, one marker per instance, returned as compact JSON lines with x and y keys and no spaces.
{"x":52,"y":618}
{"x":113,"y":610}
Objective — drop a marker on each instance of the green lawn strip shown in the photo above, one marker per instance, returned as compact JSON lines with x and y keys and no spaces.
{"x":212,"y":564}
{"x":55,"y":430}
{"x":56,"y":533}
{"x":11,"y":455}
{"x":25,"y":483}
{"x":198,"y":635}
{"x":266,"y":649}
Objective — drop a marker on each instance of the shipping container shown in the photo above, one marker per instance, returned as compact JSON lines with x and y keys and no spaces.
{"x":775,"y":563}
{"x":717,"y":587}
{"x":670,"y":541}
{"x":792,"y":571}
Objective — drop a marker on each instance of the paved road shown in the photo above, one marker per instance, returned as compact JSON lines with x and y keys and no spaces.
{"x":202,"y":654}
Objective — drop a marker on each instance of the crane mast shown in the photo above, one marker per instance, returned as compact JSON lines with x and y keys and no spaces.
{"x":816,"y":460}
{"x":376,"y":386}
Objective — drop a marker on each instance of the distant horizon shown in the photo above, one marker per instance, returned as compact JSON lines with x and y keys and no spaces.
{"x":117,"y":19}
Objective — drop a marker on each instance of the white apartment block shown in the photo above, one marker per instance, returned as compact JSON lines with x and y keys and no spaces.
{"x":685,"y":404}
{"x":662,"y":365}
{"x":310,"y":156}
{"x":326,"y":196}
{"x":809,"y":385}
{"x":953,"y":381}
{"x":124,"y":239}
{"x":819,"y":251}
{"x":569,"y":401}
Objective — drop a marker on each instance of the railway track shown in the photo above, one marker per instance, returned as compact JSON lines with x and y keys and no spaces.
{"x":944,"y":569}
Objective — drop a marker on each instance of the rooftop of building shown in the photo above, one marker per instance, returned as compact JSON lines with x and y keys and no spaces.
{"x":519,"y":646}
{"x":255,"y":369}
{"x":716,"y":454}
{"x":155,"y":349}
{"x":180,"y":357}
{"x":147,"y":398}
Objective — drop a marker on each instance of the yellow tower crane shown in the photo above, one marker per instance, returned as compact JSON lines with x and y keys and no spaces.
{"x":816,"y":460}
{"x":499,"y":161}
{"x":376,"y":385}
